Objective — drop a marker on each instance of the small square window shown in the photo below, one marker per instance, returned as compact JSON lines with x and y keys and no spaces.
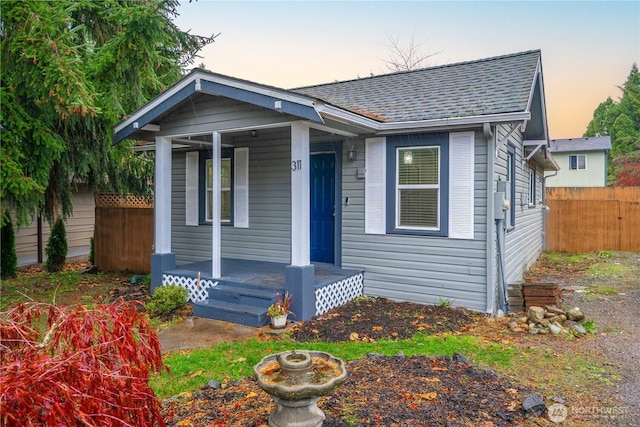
{"x":578,"y":162}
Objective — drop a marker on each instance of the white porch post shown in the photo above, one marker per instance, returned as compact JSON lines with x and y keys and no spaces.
{"x":162,"y":189}
{"x":300,"y":215}
{"x":215,"y":212}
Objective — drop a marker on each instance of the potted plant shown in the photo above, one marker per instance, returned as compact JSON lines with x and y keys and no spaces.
{"x":279,"y":310}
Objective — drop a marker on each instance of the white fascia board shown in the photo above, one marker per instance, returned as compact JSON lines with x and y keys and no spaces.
{"x":272,"y":92}
{"x":347,"y":117}
{"x":328,"y":129}
{"x":533,"y":85}
{"x":195,"y":78}
{"x":454,"y":121}
{"x":155,"y":102}
{"x":534,"y":142}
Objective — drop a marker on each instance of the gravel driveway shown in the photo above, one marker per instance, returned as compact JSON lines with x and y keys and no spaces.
{"x":610,"y":296}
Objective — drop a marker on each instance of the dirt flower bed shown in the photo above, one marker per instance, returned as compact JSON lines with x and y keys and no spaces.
{"x":380,"y":391}
{"x":372,"y":319}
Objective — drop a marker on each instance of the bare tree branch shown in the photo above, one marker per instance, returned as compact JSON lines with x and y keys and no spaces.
{"x":406,"y":57}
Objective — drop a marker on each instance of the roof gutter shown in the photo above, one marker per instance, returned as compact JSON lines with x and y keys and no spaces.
{"x":344,"y":116}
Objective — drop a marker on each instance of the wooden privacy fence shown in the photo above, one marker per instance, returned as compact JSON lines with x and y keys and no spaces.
{"x":123,"y":234}
{"x":591,"y":219}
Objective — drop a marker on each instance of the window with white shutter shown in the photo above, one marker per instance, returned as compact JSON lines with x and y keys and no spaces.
{"x":375,"y":186}
{"x":241,"y":188}
{"x":191,"y":205}
{"x":461,"y":183}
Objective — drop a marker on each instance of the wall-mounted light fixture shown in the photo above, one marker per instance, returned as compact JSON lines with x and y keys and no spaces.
{"x":254,"y":133}
{"x":408,"y":157}
{"x":352,"y":154}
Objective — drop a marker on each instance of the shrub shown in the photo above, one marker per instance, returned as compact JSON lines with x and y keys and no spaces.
{"x":166,"y":299}
{"x":56,"y":247}
{"x":8,"y":257}
{"x":78,"y":366}
{"x":91,"y":256}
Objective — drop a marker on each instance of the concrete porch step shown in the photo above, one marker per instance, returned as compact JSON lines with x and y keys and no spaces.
{"x":244,"y":294}
{"x":234,"y":313}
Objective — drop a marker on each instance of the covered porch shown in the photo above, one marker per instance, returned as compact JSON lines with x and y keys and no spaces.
{"x":234,"y":180}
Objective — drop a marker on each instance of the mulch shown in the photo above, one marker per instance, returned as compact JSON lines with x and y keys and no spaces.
{"x":373,"y":319}
{"x":380,"y":390}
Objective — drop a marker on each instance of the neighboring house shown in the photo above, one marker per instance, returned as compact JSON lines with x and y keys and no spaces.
{"x":583,"y":162}
{"x":391,"y":185}
{"x":78,"y":227}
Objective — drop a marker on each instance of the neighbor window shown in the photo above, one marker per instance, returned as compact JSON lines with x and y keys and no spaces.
{"x":225,"y":193}
{"x":577,"y":162}
{"x":418,"y":188}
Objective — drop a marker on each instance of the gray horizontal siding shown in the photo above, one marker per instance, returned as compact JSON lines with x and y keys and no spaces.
{"x":210,"y":114}
{"x":268,"y":237}
{"x":524,"y":243}
{"x":417,"y":268}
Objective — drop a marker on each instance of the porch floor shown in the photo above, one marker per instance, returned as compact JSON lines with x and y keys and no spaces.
{"x":262,"y":273}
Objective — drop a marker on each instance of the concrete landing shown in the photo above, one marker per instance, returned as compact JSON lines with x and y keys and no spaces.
{"x":198,"y":332}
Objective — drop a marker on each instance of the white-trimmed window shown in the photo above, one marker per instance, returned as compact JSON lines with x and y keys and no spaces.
{"x":418,"y":188}
{"x":532,"y":186}
{"x":225,"y":193}
{"x":577,"y":162}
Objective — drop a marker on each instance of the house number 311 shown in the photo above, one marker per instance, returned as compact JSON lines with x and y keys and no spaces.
{"x":296,"y":165}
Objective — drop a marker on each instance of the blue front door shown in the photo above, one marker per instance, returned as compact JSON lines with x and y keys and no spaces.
{"x":323,"y":200}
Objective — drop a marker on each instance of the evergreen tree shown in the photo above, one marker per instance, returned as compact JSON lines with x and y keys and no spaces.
{"x":56,"y":247}
{"x":71,"y":69}
{"x":8,"y":257}
{"x":621,"y":121}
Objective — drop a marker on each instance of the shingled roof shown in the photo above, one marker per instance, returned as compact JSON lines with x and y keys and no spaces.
{"x":592,"y":143}
{"x":495,"y":85}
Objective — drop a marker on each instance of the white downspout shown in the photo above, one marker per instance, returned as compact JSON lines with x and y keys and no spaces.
{"x":491,"y":244}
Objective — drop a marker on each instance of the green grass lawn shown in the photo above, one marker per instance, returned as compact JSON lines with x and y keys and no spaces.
{"x":190,"y":370}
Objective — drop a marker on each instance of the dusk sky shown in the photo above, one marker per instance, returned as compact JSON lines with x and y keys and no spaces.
{"x":588,"y":48}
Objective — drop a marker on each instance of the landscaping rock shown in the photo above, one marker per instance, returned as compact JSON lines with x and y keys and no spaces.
{"x":578,"y":330}
{"x":555,"y":319}
{"x":569,"y":323}
{"x":533,"y":406}
{"x":575,"y":314}
{"x":534,"y":331}
{"x":535,"y":314}
{"x":512,"y":325}
{"x":213,"y":384}
{"x":554,"y":329}
{"x":522,"y":320}
{"x":553,"y":309}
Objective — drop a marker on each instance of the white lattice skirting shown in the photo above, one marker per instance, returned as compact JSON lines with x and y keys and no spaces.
{"x":198,"y":288}
{"x":339,"y":293}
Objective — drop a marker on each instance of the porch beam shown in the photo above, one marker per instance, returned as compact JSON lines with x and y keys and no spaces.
{"x":300,"y":209}
{"x":215,"y":214}
{"x":162,"y":190}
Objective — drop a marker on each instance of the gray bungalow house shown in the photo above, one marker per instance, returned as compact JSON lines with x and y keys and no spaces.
{"x":422,"y":186}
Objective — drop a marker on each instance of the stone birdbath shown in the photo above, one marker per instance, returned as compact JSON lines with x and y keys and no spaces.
{"x":296,"y":379}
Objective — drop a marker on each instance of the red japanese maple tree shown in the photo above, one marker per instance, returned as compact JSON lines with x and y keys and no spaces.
{"x":76,"y":366}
